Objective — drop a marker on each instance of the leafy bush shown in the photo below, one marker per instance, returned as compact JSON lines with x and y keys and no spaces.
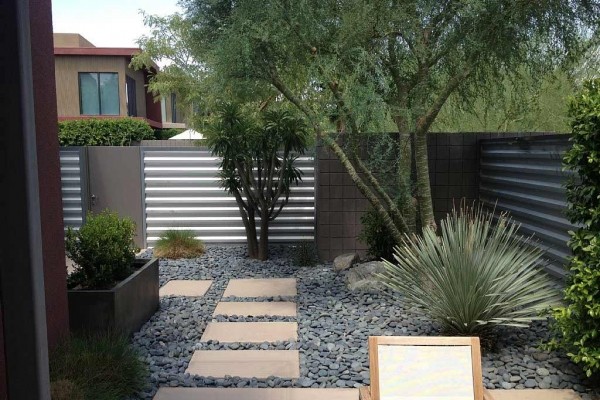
{"x":178,"y":244}
{"x":305,"y":254}
{"x":475,"y":276}
{"x":95,"y":367}
{"x":376,"y":235}
{"x":102,"y":249}
{"x":103,"y":131}
{"x":577,"y":324}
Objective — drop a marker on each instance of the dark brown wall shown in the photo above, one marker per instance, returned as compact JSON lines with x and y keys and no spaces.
{"x":454,"y":174}
{"x":49,"y":169}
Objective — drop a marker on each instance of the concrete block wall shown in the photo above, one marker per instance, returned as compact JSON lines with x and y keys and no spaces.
{"x":454,"y":175}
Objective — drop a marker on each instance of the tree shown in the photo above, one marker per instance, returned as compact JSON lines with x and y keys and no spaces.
{"x":375,"y":62}
{"x":257,"y":165}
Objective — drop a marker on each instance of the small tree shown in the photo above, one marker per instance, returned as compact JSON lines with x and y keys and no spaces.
{"x":577,"y":325}
{"x":258,"y":165}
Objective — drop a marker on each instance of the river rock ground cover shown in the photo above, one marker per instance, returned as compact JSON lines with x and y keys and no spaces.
{"x":333,"y":326}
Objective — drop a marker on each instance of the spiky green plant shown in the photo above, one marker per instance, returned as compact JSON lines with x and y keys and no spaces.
{"x":178,"y":244}
{"x":478,"y":274}
{"x":96,"y":366}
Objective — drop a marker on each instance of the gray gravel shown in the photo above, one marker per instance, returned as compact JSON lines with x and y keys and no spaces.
{"x":334,"y":325}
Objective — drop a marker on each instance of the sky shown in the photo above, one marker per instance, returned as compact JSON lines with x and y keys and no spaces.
{"x":108,"y":23}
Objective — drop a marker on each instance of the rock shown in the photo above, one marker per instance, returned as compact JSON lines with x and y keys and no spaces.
{"x":362,"y":278}
{"x":345,"y":261}
{"x":542,"y":372}
{"x":540,"y":356}
{"x":506,"y":385}
{"x":530,"y":383}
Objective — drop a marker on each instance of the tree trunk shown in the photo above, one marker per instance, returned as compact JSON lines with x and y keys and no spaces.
{"x":251,"y":236}
{"x":263,"y":246}
{"x":423,"y":183}
{"x":408,"y":205}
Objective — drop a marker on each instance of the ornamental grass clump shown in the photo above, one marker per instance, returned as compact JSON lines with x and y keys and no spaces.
{"x":178,"y":244}
{"x":478,"y":274}
{"x":96,"y":366}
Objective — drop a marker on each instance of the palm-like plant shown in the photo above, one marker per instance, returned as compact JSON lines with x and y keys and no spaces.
{"x":478,"y":274}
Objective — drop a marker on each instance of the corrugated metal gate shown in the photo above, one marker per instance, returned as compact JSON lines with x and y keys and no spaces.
{"x":73,"y":183}
{"x":182,"y":191}
{"x":525,"y":177}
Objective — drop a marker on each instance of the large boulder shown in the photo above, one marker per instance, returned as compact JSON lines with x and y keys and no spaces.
{"x":345,"y":261}
{"x":363,"y":277}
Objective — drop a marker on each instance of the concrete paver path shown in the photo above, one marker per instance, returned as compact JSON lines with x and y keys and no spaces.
{"x":261,"y":287}
{"x":189,"y":288}
{"x":255,"y":394}
{"x":259,"y":364}
{"x":250,"y":332}
{"x":254,"y":309}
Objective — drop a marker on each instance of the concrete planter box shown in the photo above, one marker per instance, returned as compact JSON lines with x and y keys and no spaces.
{"x":124,"y":308}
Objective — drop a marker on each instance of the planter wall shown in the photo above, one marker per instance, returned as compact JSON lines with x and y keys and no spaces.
{"x":123,"y":308}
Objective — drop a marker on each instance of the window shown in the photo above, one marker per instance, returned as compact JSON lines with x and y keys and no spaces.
{"x":131,"y":96}
{"x":99,"y":93}
{"x":173,"y":107}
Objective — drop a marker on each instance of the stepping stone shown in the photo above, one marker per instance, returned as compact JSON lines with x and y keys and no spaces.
{"x":245,"y":363}
{"x":254,"y":308}
{"x":191,"y":288}
{"x":255,"y":394}
{"x":261,"y":287}
{"x":534,"y":394}
{"x":250,"y":332}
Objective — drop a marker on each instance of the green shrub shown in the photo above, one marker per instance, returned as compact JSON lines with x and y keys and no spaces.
{"x":577,"y":324}
{"x":102,"y":249}
{"x":376,"y":235}
{"x":476,"y":275}
{"x":103,"y":131}
{"x":95,"y":367}
{"x":305,"y":255}
{"x":178,"y":244}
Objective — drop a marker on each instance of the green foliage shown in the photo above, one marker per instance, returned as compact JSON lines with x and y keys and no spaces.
{"x":258,"y":156}
{"x":178,"y":244}
{"x":525,"y":104}
{"x":103,"y":131}
{"x":95,"y":367}
{"x":577,"y":324}
{"x":376,"y":235}
{"x":64,"y":389}
{"x":477,"y":275}
{"x":304,"y":254}
{"x":102,"y":249}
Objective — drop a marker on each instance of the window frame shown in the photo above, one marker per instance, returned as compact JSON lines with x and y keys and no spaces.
{"x":79,"y":73}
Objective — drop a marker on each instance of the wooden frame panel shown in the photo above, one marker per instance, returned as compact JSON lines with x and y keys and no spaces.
{"x":473,"y":342}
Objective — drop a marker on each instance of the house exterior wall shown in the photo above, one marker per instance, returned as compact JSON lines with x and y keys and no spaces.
{"x":67,"y":80}
{"x":140,"y":89}
{"x":71,"y":40}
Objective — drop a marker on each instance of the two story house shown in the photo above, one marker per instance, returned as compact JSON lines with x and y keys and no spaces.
{"x":98,"y":82}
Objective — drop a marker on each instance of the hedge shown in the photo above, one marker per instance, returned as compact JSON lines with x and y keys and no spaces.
{"x":103,"y":132}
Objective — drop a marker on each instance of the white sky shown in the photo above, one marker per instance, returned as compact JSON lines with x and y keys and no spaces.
{"x":108,"y":23}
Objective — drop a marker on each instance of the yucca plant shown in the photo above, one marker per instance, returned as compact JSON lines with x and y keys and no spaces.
{"x":478,"y":274}
{"x":178,"y":244}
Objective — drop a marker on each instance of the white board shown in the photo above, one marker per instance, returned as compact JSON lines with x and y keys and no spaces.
{"x":413,"y":372}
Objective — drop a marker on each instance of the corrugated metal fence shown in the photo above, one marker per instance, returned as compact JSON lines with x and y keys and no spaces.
{"x":182,"y":191}
{"x":73,"y":185}
{"x":524,"y":176}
